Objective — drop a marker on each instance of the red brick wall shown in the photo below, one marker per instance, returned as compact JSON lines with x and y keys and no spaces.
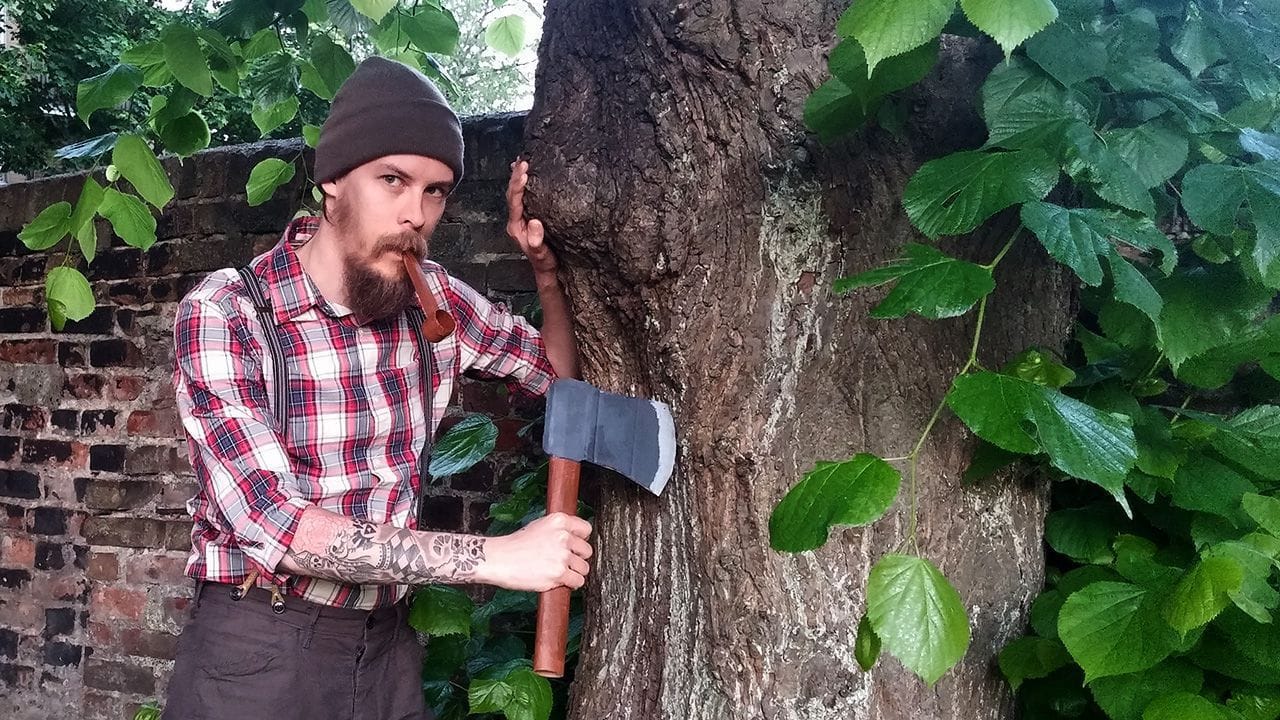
{"x":93,"y":468}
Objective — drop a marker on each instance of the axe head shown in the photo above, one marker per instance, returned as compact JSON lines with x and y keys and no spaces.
{"x":633,"y":436}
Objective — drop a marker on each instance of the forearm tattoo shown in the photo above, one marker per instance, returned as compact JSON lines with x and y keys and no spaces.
{"x":367,"y":553}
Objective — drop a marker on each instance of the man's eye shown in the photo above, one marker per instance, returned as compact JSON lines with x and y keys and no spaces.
{"x":391,"y":179}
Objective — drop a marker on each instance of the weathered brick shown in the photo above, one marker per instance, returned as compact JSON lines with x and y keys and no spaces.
{"x":477,"y":517}
{"x":8,"y":450}
{"x":175,"y":495}
{"x":490,"y":398}
{"x":17,"y":550}
{"x":8,"y":643}
{"x":49,"y":556}
{"x":102,"y":321}
{"x":16,"y":676}
{"x":14,"y":577}
{"x":509,"y":438}
{"x":176,"y":610}
{"x":72,"y":354}
{"x":23,"y":320}
{"x":206,"y":253}
{"x":59,"y":621}
{"x":158,"y":423}
{"x":108,"y":458}
{"x":115,"y":603}
{"x":510,"y":276}
{"x":83,"y":386}
{"x":27,"y":351}
{"x":478,"y":478}
{"x":19,"y":484}
{"x":102,"y":566}
{"x":127,"y":387}
{"x":443,"y":513}
{"x":149,"y":459}
{"x":124,"y":677}
{"x":124,"y":531}
{"x":49,"y":521}
{"x":178,"y":535}
{"x":96,"y":421}
{"x":65,"y":420}
{"x":30,"y":418}
{"x":59,"y":654}
{"x":147,"y":643}
{"x":117,"y":264}
{"x":115,"y":352}
{"x":119,"y":495}
{"x":47,"y":451}
{"x":150,"y":568}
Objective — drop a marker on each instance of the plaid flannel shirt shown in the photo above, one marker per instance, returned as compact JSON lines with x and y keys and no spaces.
{"x":357,"y":419}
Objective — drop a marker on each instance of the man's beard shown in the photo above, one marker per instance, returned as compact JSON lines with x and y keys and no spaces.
{"x":370,"y":294}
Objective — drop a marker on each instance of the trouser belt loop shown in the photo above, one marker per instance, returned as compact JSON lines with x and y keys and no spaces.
{"x":313,"y":616}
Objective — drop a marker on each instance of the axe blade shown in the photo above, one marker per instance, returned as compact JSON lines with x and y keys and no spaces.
{"x":634,"y":436}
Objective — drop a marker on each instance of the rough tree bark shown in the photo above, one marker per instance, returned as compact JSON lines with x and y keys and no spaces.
{"x":701,"y":229}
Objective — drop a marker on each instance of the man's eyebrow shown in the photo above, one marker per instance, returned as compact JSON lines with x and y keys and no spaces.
{"x":409,"y":176}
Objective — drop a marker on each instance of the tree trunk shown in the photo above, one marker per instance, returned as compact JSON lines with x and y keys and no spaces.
{"x":700,"y":229}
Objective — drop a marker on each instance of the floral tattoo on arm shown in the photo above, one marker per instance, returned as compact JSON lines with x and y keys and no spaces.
{"x":368,"y":553}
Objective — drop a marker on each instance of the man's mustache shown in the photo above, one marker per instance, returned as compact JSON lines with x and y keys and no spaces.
{"x":403,"y":242}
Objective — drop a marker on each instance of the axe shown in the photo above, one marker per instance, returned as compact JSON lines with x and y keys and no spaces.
{"x":634,"y":436}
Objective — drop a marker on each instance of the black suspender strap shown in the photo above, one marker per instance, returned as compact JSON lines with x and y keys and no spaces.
{"x":280,"y":388}
{"x":416,"y":318}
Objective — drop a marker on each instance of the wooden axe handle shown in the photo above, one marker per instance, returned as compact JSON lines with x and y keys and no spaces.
{"x":553,"y":605}
{"x":437,"y":324}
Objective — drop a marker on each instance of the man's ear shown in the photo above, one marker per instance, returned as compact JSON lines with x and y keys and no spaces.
{"x":332,"y":187}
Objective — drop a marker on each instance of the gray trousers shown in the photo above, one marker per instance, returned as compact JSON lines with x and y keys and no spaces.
{"x":238,"y":659}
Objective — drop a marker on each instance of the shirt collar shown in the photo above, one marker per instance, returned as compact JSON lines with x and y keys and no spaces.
{"x":289,"y":288}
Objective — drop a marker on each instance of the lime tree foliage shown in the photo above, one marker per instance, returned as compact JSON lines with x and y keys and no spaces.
{"x":279,"y":61}
{"x":1138,"y":143}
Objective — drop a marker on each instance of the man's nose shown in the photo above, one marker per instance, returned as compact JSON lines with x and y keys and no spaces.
{"x":413,"y":216}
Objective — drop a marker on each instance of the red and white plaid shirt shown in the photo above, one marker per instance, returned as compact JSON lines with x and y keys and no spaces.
{"x":356,"y":417}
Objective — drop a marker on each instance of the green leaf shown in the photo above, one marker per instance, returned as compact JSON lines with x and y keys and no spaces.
{"x":503,"y":601}
{"x":1044,"y":613}
{"x":1069,"y":52}
{"x":857,"y":491}
{"x":106,"y":90}
{"x":930,"y":284}
{"x":1185,"y":706}
{"x":1124,"y":697}
{"x":1202,"y":593}
{"x":506,"y":34}
{"x":87,"y":239}
{"x":1216,"y":195}
{"x":270,"y":118}
{"x":434,"y":30}
{"x":1264,"y":510}
{"x":185,"y":59}
{"x":849,"y":64}
{"x":1206,"y":309}
{"x":373,"y":9}
{"x":68,"y":296}
{"x":1113,"y":628}
{"x":441,"y":610}
{"x":464,"y":445}
{"x":130,"y":219}
{"x":866,"y":646}
{"x":1264,"y":145}
{"x":48,"y":228}
{"x":311,"y":135}
{"x":272,"y":78}
{"x":918,"y":615}
{"x":1077,"y":236}
{"x":264,"y":42}
{"x":1080,"y":440}
{"x":265,"y":177}
{"x":1039,"y":367}
{"x":1089,"y":160}
{"x":518,"y":695}
{"x":1155,"y":150}
{"x":957,"y":193}
{"x":833,"y":110}
{"x":138,"y":164}
{"x":87,"y":148}
{"x":1031,"y":657}
{"x":1010,"y":22}
{"x":186,"y":135}
{"x":1030,"y":119}
{"x":332,"y":63}
{"x":1083,"y":534}
{"x":886,"y":28}
{"x":1196,"y":46}
{"x":1132,"y":287}
{"x":1252,"y":439}
{"x":1206,"y":485}
{"x":1136,"y":562}
{"x":81,"y":222}
{"x":1256,"y":703}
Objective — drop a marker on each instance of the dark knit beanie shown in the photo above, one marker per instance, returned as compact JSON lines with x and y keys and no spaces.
{"x":387,"y":108}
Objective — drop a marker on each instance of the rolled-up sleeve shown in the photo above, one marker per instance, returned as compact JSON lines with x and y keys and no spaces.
{"x":497,"y":345}
{"x":236,"y":451}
